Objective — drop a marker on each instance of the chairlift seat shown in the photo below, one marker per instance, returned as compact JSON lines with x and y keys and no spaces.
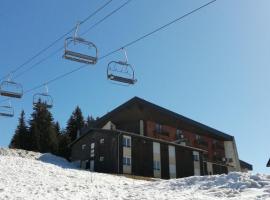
{"x":43,"y":98}
{"x":6,"y":111}
{"x":78,"y":57}
{"x":6,"y":114}
{"x":121,"y":71}
{"x":11,"y":89}
{"x":11,"y":94}
{"x":122,"y":79}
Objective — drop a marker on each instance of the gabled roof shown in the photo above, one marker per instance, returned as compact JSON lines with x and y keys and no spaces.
{"x":165,"y":112}
{"x":268,"y":163}
{"x":245,"y":165}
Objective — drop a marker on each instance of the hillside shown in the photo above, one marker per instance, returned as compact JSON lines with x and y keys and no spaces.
{"x":30,"y":175}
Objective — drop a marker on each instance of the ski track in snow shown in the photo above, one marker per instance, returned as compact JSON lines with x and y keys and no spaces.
{"x":30,"y":175}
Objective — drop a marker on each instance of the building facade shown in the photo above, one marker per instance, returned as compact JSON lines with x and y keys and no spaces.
{"x":144,"y":139}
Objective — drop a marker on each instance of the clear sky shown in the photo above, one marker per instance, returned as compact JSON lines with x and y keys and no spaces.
{"x":212,"y":67}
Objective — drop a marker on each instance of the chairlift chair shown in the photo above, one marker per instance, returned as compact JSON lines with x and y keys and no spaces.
{"x":6,"y":111}
{"x":11,"y":89}
{"x":121,"y":71}
{"x":77,"y":56}
{"x":43,"y":98}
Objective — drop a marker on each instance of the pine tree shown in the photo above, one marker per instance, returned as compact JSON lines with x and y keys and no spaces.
{"x":90,"y":121}
{"x":75,"y":123}
{"x":42,"y":130}
{"x":57,"y":128}
{"x":20,"y":139}
{"x":63,"y":148}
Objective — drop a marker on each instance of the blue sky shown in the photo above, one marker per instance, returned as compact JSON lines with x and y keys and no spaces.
{"x":212,"y":67}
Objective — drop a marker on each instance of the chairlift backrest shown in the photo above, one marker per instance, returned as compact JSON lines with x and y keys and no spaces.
{"x":11,"y":89}
{"x":6,"y":111}
{"x":43,"y":98}
{"x":122,"y":72}
{"x":77,"y":56}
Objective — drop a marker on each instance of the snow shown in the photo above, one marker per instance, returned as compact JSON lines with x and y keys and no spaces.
{"x":30,"y":175}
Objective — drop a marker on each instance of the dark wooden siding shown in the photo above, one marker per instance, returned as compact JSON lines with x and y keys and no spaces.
{"x":108,"y":150}
{"x":184,"y":162}
{"x":129,"y":126}
{"x":164,"y":161}
{"x":121,"y":154}
{"x":219,"y":169}
{"x":142,"y":157}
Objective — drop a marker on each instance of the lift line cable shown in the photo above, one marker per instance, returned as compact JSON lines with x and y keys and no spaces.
{"x":57,"y":40}
{"x":58,"y":50}
{"x":160,"y":28}
{"x":126,"y":45}
{"x":107,"y":16}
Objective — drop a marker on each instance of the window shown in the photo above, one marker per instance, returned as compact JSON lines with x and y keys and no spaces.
{"x":156,"y":165}
{"x":92,"y":151}
{"x":196,"y":158}
{"x":126,"y":141}
{"x":179,"y":134}
{"x":101,"y":158}
{"x":158,"y":128}
{"x":198,"y":137}
{"x":126,"y":161}
{"x":101,"y":141}
{"x":83,"y":146}
{"x":92,"y":145}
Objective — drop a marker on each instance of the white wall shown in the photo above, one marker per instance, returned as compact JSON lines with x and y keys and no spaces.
{"x":197,"y":165}
{"x":156,"y":157}
{"x":231,"y":152}
{"x":172,"y":162}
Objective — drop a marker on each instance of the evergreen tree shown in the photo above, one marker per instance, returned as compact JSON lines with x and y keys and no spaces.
{"x":57,"y":128}
{"x":90,"y":121}
{"x":75,"y":123}
{"x":63,"y":148}
{"x":42,"y":130}
{"x":20,"y":139}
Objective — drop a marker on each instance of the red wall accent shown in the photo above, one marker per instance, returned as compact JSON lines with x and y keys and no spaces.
{"x":170,"y":135}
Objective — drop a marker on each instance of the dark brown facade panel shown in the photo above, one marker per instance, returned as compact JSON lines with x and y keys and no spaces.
{"x":129,"y":126}
{"x":219,"y":169}
{"x":142,"y":157}
{"x":164,"y":161}
{"x":184,"y":162}
{"x":105,"y":154}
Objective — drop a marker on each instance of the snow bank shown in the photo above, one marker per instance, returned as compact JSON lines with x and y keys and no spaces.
{"x":29,"y":175}
{"x":19,"y":153}
{"x":46,"y":157}
{"x":55,"y":160}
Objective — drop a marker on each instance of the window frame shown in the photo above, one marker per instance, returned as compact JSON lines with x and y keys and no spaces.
{"x":156,"y":165}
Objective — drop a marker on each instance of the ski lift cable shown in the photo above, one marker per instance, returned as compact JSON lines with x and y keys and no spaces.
{"x":107,"y":16}
{"x":159,"y":29}
{"x":60,"y":49}
{"x":56,"y":41}
{"x":114,"y":51}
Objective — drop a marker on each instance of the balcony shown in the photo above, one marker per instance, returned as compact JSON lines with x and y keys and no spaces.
{"x":219,"y":159}
{"x":201,"y":142}
{"x":161,"y":132}
{"x":218,"y":146}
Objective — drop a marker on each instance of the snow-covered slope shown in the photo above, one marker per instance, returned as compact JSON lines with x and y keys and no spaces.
{"x":29,"y":175}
